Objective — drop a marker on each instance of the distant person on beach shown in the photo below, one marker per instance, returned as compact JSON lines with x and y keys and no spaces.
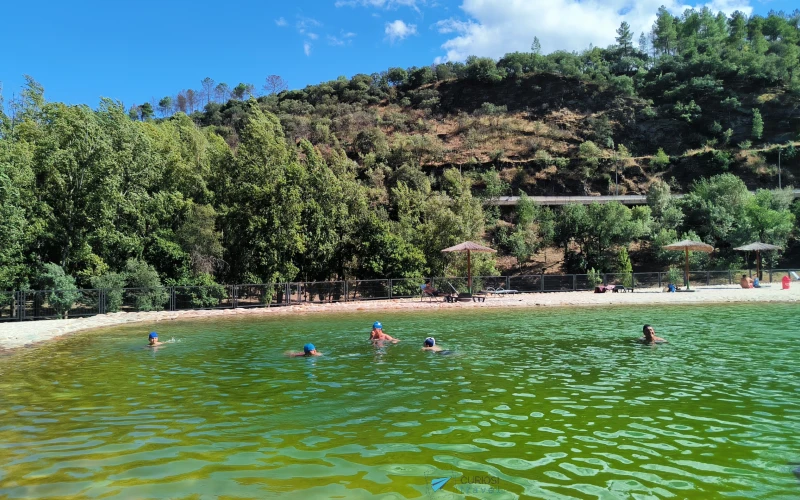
{"x":746,"y":282}
{"x":650,"y":336}
{"x":153,"y":340}
{"x":430,"y":290}
{"x":377,"y":334}
{"x":308,"y":351}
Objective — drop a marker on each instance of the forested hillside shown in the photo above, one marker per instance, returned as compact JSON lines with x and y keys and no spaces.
{"x":373,"y":175}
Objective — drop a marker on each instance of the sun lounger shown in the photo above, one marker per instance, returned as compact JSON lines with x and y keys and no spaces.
{"x":500,"y":291}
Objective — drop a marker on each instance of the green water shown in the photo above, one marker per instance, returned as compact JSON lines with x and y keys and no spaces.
{"x":547,"y":403}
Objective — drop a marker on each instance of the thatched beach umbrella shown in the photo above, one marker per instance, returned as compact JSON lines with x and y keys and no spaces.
{"x":757,"y":247}
{"x":686,"y":246}
{"x":469,"y":247}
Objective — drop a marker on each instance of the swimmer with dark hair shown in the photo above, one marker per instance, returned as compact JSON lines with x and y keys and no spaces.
{"x":650,"y":336}
{"x":308,"y":351}
{"x":152,"y":340}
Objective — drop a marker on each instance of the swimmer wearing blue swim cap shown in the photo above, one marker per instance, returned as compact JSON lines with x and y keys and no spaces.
{"x":430,"y":345}
{"x":153,"y":340}
{"x":308,"y":350}
{"x":377,"y":335}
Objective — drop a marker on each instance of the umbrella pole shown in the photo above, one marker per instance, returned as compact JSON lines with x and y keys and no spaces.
{"x":469,"y":272}
{"x":758,"y":264}
{"x":687,"y":268}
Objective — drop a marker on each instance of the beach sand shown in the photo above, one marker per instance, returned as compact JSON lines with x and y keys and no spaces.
{"x":28,"y":333}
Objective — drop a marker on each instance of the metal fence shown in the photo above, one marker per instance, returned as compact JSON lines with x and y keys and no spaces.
{"x":53,"y":304}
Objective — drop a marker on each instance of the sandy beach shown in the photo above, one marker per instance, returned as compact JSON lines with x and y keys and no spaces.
{"x":28,"y":333}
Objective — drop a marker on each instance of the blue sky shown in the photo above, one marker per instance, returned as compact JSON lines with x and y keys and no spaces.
{"x":136,"y":51}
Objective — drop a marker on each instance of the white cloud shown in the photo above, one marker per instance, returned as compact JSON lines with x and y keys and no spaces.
{"x":307,"y":48}
{"x":344,"y":39}
{"x":306,"y":23}
{"x":496,"y":27}
{"x":398,"y":30}
{"x":313,"y":36}
{"x":380,"y":4}
{"x":280,"y":21}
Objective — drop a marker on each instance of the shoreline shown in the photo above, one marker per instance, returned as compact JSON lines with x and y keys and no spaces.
{"x":15,"y":335}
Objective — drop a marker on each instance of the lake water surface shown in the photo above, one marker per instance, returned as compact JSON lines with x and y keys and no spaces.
{"x":535,"y":403}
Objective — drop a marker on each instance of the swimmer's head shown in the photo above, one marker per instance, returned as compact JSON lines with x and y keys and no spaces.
{"x":377,"y":326}
{"x":430,"y":342}
{"x":153,"y":335}
{"x":647,"y":330}
{"x":309,"y":348}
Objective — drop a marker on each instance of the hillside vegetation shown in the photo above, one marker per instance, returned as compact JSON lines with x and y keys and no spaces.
{"x":371,"y":176}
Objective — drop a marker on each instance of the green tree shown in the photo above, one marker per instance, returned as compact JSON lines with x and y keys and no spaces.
{"x":148,"y":295}
{"x":758,"y":124}
{"x":112,"y":284}
{"x":536,"y":47}
{"x":62,"y":290}
{"x":146,"y":111}
{"x":625,"y":37}
{"x":625,"y":268}
{"x":665,"y":34}
{"x":660,"y":159}
{"x":165,"y":106}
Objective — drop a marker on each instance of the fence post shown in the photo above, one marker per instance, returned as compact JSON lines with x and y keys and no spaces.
{"x":605,"y":279}
{"x":542,"y":283}
{"x":574,"y":282}
{"x":770,"y":275}
{"x":708,"y":278}
{"x":508,"y":282}
{"x":172,"y":298}
{"x":346,"y":293}
{"x":23,"y":305}
{"x":659,"y":280}
{"x":730,"y":277}
{"x":286,"y":297}
{"x":100,"y":300}
{"x":390,"y":288}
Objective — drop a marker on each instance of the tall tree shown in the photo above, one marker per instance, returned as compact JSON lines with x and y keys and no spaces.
{"x":180,"y":102}
{"x":275,"y":84}
{"x":146,"y":111}
{"x":536,"y":47}
{"x":239,"y":91}
{"x":625,"y":37}
{"x":208,"y":88}
{"x":165,"y":106}
{"x":191,"y":100}
{"x":221,"y":92}
{"x":665,"y":34}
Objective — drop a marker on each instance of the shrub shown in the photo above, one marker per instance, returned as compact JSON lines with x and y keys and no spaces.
{"x":674,"y":276}
{"x":660,"y":160}
{"x":594,"y":277}
{"x":112,"y":284}
{"x":625,"y":267}
{"x":151,"y":296}
{"x":64,"y":292}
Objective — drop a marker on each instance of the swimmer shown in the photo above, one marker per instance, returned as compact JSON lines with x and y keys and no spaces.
{"x":308,"y":351}
{"x":377,"y":334}
{"x":430,"y":345}
{"x":153,"y":340}
{"x":650,"y":336}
